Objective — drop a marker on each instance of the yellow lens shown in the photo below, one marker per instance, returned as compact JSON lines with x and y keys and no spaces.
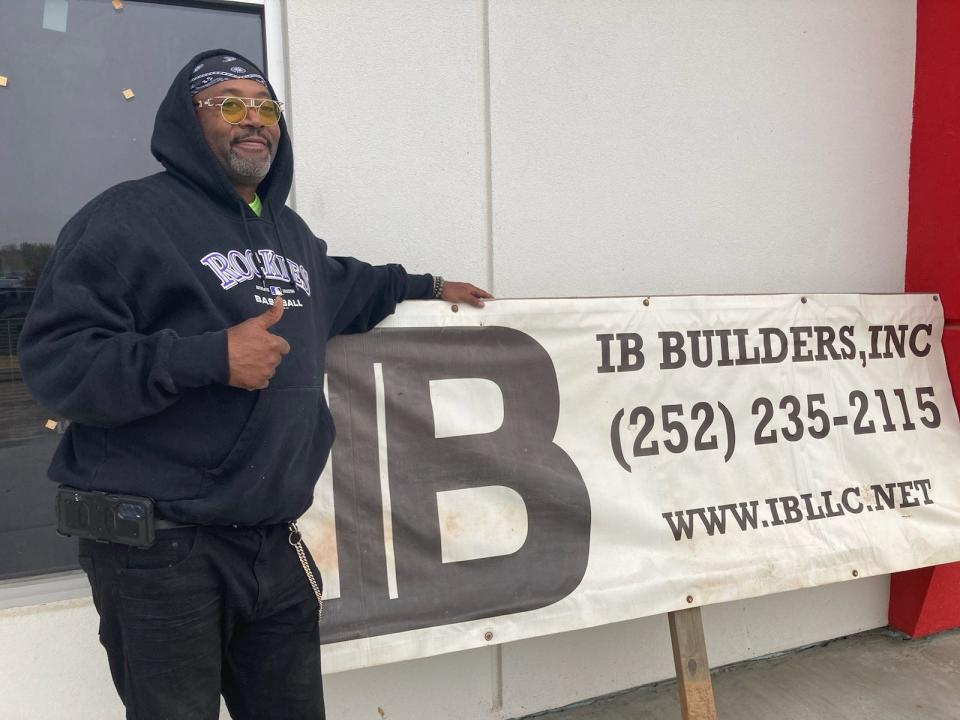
{"x":269,"y":112}
{"x":233,"y":110}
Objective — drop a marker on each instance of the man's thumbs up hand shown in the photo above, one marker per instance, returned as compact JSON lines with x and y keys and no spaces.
{"x":254,"y":352}
{"x":271,"y":316}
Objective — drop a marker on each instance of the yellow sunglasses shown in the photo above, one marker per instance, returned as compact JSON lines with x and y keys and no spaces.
{"x":234,"y":109}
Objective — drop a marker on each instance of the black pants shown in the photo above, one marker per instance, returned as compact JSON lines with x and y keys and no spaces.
{"x":208,"y":611}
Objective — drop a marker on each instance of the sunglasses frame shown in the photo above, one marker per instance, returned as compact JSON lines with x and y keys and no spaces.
{"x":248,"y":104}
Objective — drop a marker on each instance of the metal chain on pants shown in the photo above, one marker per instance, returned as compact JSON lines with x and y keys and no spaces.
{"x":296,"y":540}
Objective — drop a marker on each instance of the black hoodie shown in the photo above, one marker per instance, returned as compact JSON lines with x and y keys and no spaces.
{"x":127,"y":334}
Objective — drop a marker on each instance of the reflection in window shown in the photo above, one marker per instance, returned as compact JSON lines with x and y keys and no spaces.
{"x":26,"y":443}
{"x":20,"y":267}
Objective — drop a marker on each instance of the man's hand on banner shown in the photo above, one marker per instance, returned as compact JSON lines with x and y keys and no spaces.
{"x":461,"y":292}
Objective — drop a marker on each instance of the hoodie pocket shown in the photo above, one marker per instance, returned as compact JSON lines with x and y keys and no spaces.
{"x":245,"y":444}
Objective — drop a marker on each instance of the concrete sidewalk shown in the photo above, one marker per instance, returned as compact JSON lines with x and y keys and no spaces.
{"x":877,"y":675}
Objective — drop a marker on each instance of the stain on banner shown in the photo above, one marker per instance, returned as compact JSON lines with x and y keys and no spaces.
{"x":55,"y":15}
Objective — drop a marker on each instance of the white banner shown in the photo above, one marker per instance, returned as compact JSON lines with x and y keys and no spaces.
{"x":545,"y":465}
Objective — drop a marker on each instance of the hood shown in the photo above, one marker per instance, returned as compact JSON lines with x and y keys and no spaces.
{"x":179,"y":145}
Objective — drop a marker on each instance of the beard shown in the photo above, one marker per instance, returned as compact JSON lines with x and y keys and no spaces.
{"x":247,"y":168}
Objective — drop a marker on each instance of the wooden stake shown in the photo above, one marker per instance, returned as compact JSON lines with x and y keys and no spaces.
{"x":693,"y":669}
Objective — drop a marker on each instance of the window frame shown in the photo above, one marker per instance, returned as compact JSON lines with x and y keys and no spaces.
{"x":52,"y":587}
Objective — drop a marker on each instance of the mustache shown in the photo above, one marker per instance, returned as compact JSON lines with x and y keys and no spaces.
{"x":257,"y":135}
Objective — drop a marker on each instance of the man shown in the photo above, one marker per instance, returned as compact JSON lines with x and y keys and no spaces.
{"x":181,"y":325}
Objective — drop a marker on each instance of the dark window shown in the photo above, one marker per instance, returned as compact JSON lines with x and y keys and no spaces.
{"x":67,"y":132}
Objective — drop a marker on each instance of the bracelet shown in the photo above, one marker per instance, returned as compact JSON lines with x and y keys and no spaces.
{"x":437,"y":287}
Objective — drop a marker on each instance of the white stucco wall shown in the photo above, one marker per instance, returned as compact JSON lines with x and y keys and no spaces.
{"x":578,"y":147}
{"x":388,"y":114}
{"x":663,"y":147}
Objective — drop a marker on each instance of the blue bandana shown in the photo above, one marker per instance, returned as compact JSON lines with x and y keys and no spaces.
{"x":216,"y":69}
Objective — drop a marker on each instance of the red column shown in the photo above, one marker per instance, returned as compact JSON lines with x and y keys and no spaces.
{"x":927,"y":600}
